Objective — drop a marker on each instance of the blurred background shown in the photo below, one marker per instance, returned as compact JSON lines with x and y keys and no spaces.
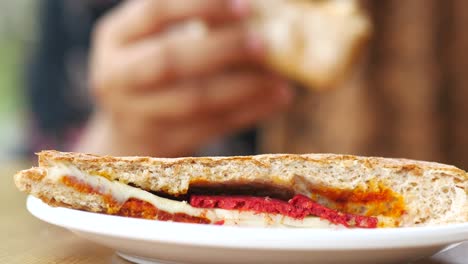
{"x":17,"y":36}
{"x":406,"y":98}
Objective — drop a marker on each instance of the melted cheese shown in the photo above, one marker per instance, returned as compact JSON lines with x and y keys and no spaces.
{"x":122,"y":192}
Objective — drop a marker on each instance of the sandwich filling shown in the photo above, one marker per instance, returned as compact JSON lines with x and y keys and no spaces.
{"x":125,"y":200}
{"x":298,"y":207}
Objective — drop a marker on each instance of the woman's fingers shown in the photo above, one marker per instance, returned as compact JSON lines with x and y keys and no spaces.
{"x":148,"y":62}
{"x":167,"y":90}
{"x":196,"y":100}
{"x":136,"y":19}
{"x":157,"y":61}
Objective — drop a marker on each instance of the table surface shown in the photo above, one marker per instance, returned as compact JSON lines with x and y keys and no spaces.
{"x":27,"y":240}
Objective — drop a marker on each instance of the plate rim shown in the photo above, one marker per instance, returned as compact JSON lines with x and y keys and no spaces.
{"x":241,"y":237}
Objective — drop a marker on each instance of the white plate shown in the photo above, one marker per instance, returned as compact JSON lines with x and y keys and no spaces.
{"x":148,"y":241}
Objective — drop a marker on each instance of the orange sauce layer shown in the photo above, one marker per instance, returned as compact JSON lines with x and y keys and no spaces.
{"x":141,"y":209}
{"x":132,"y":207}
{"x":79,"y":185}
{"x":376,"y":199}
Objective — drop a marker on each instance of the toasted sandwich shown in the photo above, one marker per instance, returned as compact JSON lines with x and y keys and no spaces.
{"x":313,"y":42}
{"x":277,"y":190}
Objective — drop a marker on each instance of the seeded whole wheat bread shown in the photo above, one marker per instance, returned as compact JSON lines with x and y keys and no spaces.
{"x":434,"y":193}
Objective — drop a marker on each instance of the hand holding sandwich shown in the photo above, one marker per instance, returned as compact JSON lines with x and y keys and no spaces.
{"x":166,"y":94}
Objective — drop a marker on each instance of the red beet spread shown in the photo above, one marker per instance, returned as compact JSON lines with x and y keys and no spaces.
{"x":298,"y":207}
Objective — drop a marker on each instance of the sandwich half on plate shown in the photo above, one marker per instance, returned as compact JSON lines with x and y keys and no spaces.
{"x":279,"y":190}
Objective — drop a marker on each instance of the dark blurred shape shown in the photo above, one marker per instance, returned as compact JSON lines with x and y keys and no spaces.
{"x":56,"y":76}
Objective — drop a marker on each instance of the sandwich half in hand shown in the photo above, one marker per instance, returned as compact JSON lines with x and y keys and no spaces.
{"x":312,"y":190}
{"x":312,"y":42}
